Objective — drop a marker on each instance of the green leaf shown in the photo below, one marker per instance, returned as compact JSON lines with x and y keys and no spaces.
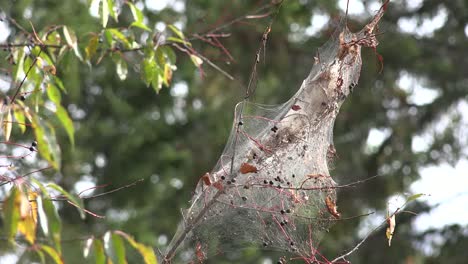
{"x":20,"y":119}
{"x":104,"y":12}
{"x":169,"y":52}
{"x":44,"y":223}
{"x":59,"y":83}
{"x":78,"y":202}
{"x":141,"y":25}
{"x":145,"y":251}
{"x":67,"y":123}
{"x":176,"y":31}
{"x":54,"y":94}
{"x":115,"y":249}
{"x":40,"y":254}
{"x":181,"y":41}
{"x":99,"y":256}
{"x":70,"y":37}
{"x":112,"y":12}
{"x":137,"y":14}
{"x":156,"y":83}
{"x":18,"y":57}
{"x":11,"y":213}
{"x":121,"y":67}
{"x":52,"y":253}
{"x":54,"y":223}
{"x":119,"y":249}
{"x":148,"y":70}
{"x":118,"y":35}
{"x":46,"y":58}
{"x":91,"y":49}
{"x":46,"y":141}
{"x":414,"y":197}
{"x":109,"y":38}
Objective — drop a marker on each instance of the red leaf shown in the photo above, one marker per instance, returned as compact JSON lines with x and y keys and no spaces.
{"x":296,"y":107}
{"x":206,"y":179}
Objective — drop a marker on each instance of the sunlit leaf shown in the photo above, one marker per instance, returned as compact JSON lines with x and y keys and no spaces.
{"x":71,"y":39}
{"x":118,"y":35}
{"x":28,"y":217}
{"x":53,"y":38}
{"x":414,"y":197}
{"x":178,"y":40}
{"x":176,"y":31}
{"x":197,"y":61}
{"x":390,"y":229}
{"x":52,"y":253}
{"x":104,"y":12}
{"x":148,"y":70}
{"x":18,"y":70}
{"x":136,"y":13}
{"x":145,"y":251}
{"x":54,"y":94}
{"x":141,"y":25}
{"x":76,"y":200}
{"x":20,"y":119}
{"x":11,"y":213}
{"x":156,"y":83}
{"x":45,"y":57}
{"x":112,"y":12}
{"x":7,"y":124}
{"x":66,"y":122}
{"x":44,"y":223}
{"x":121,"y":67}
{"x":50,"y":222}
{"x":87,"y":247}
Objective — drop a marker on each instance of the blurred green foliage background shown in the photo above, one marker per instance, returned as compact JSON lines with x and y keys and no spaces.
{"x":125,"y":131}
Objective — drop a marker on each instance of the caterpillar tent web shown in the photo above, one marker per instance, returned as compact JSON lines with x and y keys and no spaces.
{"x":271,"y":186}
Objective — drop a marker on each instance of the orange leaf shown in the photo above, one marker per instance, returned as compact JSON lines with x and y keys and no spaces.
{"x":332,"y":208}
{"x":247,"y":168}
{"x":28,"y":217}
{"x":206,"y":179}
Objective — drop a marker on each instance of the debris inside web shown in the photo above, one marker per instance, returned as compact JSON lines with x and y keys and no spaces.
{"x":271,"y":187}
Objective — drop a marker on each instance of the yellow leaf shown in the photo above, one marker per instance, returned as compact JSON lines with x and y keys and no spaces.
{"x":7,"y":125}
{"x":167,"y":74}
{"x":197,"y":61}
{"x":28,"y":217}
{"x":390,"y":229}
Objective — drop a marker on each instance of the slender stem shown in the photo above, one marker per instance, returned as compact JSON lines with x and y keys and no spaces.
{"x":188,"y":228}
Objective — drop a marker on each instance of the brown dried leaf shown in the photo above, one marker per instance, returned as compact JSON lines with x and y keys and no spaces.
{"x":296,"y":107}
{"x":206,"y":179}
{"x":218,"y":185}
{"x":390,"y":229}
{"x":332,"y":208}
{"x":248,"y":168}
